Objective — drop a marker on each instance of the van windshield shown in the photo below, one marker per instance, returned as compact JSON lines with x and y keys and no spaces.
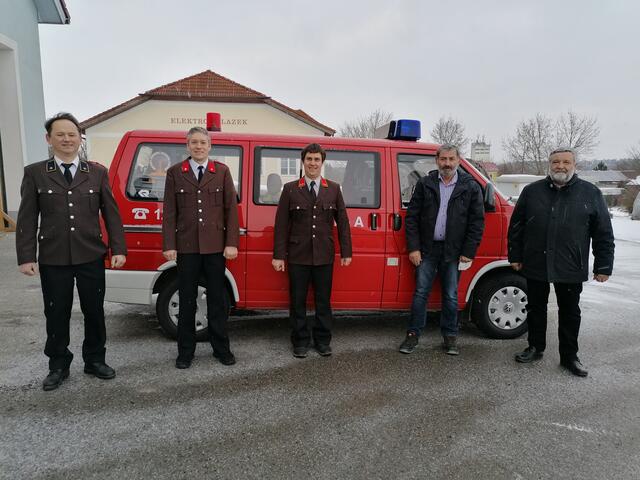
{"x":152,"y":160}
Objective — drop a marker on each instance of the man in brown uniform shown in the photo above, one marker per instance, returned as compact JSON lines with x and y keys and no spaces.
{"x":200,"y":230}
{"x":69,"y":194}
{"x":304,"y":237}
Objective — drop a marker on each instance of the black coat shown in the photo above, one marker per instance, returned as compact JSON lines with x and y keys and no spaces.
{"x":551,"y":228}
{"x":465,"y":216}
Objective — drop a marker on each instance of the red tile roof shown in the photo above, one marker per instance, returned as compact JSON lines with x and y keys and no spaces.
{"x":205,"y":86}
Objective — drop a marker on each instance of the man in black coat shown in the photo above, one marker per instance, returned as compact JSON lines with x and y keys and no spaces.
{"x":444,"y":225}
{"x":552,"y":225}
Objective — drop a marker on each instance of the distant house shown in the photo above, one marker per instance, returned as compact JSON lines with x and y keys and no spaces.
{"x":22,"y":113}
{"x":491,"y":169}
{"x":511,"y":185}
{"x":610,"y":182}
{"x":184,"y":103}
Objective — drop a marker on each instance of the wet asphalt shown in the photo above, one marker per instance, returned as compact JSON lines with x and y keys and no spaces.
{"x":366,"y":412}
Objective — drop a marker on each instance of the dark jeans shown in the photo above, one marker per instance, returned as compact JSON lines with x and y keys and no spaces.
{"x":321,"y":277}
{"x":57,"y":292}
{"x":433,"y":263}
{"x":568,"y":295}
{"x":191,"y":267}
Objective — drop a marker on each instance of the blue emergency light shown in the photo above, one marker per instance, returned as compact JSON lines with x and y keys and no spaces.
{"x":399,"y":130}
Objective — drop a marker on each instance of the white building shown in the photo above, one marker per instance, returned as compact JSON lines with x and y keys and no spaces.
{"x":21,"y":96}
{"x":480,"y":151}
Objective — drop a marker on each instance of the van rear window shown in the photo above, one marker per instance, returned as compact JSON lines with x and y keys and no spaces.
{"x":358,"y":174}
{"x":152,"y":160}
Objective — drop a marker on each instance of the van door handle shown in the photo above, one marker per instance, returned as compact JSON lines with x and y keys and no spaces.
{"x":243,"y":231}
{"x":374,"y":221}
{"x":396,"y":221}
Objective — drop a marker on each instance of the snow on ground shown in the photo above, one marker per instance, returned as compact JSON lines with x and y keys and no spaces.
{"x":624,"y":228}
{"x":620,"y":292}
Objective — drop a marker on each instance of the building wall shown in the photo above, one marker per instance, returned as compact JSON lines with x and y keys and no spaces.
{"x":103,"y":138}
{"x":21,"y":95}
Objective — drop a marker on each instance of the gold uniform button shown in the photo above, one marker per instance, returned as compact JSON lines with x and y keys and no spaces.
{"x":49,"y":191}
{"x":69,"y":192}
{"x":199,"y":201}
{"x":90,"y":191}
{"x":313,"y":226}
{"x":199,"y":210}
{"x":71,"y":204}
{"x":72,"y":217}
{"x":73,"y":229}
{"x":199,"y":219}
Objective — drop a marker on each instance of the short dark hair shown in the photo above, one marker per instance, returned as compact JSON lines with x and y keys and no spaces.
{"x":61,"y":116}
{"x":313,"y":148}
{"x":447,"y":147}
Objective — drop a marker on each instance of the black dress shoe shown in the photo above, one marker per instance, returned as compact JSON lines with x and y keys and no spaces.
{"x":528,"y":355}
{"x":300,"y":352}
{"x":182,"y":363}
{"x":226,"y":358}
{"x":54,"y":379}
{"x":100,"y":370}
{"x":323,"y":349}
{"x":575,"y":367}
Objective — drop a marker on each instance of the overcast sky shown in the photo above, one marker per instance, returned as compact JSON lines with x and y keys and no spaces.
{"x":490,"y":64}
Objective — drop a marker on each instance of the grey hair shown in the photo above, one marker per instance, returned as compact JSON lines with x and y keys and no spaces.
{"x":201,"y":130}
{"x":446,"y":147}
{"x":565,"y":150}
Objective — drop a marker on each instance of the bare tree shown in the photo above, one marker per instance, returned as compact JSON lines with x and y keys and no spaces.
{"x":365,"y":127}
{"x":532,"y":142}
{"x":451,"y":131}
{"x":577,"y":132}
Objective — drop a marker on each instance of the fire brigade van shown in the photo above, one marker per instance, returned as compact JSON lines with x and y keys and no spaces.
{"x":377,"y":177}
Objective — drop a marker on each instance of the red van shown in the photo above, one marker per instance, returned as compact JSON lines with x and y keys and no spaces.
{"x":377,"y":178}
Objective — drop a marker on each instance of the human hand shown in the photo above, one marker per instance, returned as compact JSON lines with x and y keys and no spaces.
{"x":464,"y":259}
{"x":29,"y":269}
{"x":600,"y":277}
{"x":230,"y":253}
{"x":345,"y":262}
{"x":278,"y":265}
{"x":517,"y":266}
{"x":170,"y":255}
{"x":118,"y":261}
{"x":415,"y":257}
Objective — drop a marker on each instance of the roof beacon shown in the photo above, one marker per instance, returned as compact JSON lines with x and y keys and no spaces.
{"x":214,"y":121}
{"x":399,"y":130}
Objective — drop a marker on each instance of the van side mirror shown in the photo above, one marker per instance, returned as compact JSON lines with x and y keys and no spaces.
{"x":489,"y":198}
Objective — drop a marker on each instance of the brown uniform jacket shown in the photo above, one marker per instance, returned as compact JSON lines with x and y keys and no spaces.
{"x":69,"y":231}
{"x":304,"y":229}
{"x":199,"y":217}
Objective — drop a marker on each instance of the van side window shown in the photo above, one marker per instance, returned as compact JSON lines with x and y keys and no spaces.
{"x":152,"y":160}
{"x":411,"y":168}
{"x":358,"y":173}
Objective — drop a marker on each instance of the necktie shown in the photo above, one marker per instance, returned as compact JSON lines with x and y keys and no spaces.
{"x":67,"y":172}
{"x":200,"y":173}
{"x":312,"y":188}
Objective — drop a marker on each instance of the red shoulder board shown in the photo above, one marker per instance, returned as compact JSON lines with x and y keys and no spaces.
{"x":211,"y":166}
{"x":185,"y":166}
{"x":324,"y":183}
{"x":301,"y":182}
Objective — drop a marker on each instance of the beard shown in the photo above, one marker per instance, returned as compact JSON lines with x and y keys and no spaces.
{"x":447,"y":172}
{"x":561,"y":178}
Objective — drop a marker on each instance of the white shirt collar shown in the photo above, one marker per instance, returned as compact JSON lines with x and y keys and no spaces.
{"x":307,"y":182}
{"x":195,"y":165}
{"x":76,"y":162}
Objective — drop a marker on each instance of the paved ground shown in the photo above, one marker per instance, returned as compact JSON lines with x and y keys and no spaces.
{"x":366,"y":412}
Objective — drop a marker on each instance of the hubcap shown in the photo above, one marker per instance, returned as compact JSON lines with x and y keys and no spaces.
{"x":507,"y":308}
{"x":201,"y":306}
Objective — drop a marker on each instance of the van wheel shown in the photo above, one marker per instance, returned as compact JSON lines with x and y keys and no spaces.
{"x":499,"y":306}
{"x":168,"y":304}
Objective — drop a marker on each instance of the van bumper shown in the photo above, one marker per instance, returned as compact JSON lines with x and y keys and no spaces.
{"x":124,"y":286}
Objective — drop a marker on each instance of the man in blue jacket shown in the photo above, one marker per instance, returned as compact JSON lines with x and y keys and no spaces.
{"x":444,"y":224}
{"x":552,"y":225}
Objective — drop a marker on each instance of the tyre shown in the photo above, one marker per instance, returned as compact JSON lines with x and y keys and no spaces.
{"x":499,"y":306}
{"x":168,"y":303}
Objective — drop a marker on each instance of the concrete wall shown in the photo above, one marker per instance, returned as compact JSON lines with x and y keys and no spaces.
{"x":21,"y":95}
{"x":103,"y":139}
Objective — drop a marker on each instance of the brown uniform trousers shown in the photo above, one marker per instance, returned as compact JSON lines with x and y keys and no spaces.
{"x":304,"y":237}
{"x":70,"y":248}
{"x":200,"y":219}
